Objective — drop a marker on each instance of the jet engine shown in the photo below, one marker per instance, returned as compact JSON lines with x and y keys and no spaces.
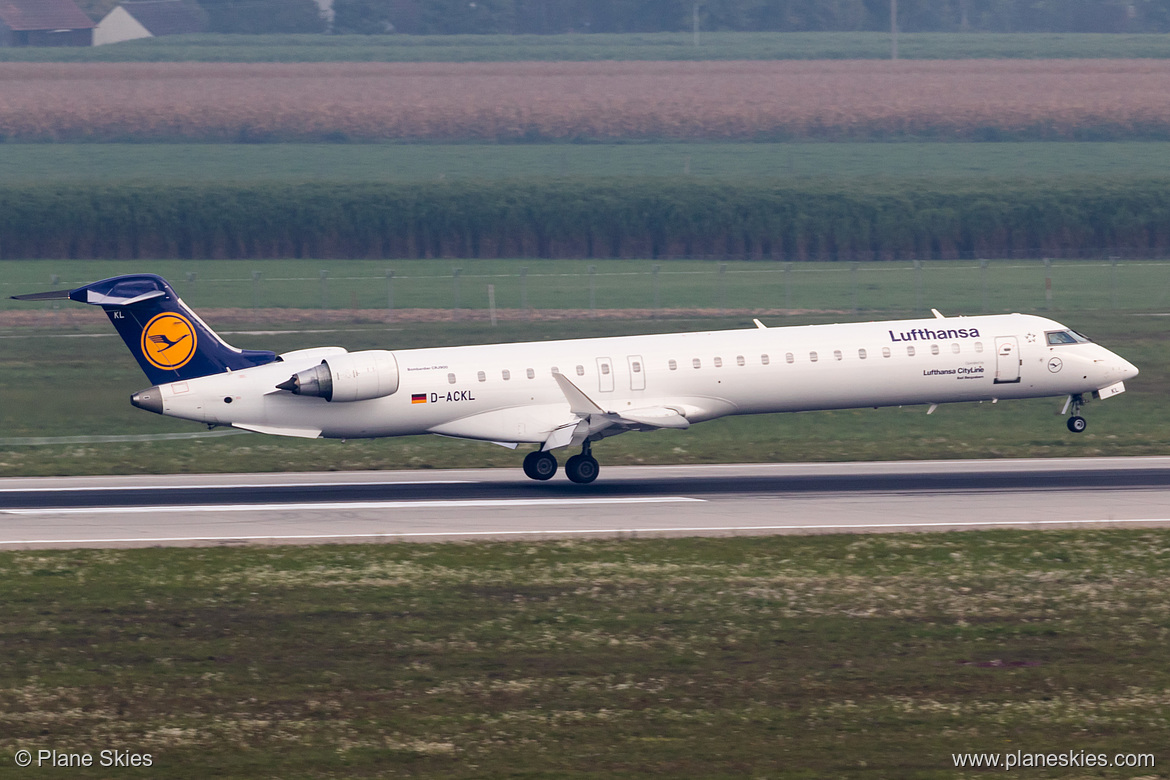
{"x":356,"y":376}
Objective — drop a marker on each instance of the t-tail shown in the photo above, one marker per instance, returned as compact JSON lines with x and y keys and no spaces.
{"x":169,"y":340}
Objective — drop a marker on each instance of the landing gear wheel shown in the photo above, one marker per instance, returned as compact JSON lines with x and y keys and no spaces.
{"x":581,"y":469}
{"x":540,"y":465}
{"x":1076,"y":424}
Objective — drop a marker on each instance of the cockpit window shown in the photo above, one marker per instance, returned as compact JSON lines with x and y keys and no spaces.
{"x":1057,"y":337}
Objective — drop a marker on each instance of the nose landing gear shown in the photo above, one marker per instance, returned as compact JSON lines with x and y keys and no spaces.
{"x":1076,"y":423}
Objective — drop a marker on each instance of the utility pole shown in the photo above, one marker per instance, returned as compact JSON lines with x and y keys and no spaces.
{"x":695,"y":21}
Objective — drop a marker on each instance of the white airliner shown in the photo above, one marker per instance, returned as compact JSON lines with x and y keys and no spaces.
{"x":558,"y":394}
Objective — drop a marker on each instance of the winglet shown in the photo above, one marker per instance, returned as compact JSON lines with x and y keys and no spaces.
{"x":759,"y":324}
{"x":938,"y":315}
{"x":579,"y":403}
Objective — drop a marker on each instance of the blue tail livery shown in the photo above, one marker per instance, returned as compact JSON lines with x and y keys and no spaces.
{"x":169,"y":340}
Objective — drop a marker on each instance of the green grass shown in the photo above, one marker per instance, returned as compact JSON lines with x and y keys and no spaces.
{"x":798,"y":162}
{"x":75,"y":383}
{"x":785,"y":657}
{"x":889,"y":289}
{"x":648,"y":46}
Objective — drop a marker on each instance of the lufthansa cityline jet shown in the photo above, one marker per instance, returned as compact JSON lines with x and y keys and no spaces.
{"x":572,"y":393}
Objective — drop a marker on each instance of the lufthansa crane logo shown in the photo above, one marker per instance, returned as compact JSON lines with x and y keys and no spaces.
{"x":168,"y":341}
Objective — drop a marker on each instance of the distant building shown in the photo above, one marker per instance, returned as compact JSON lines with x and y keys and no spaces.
{"x":147,"y":19}
{"x":44,"y":23}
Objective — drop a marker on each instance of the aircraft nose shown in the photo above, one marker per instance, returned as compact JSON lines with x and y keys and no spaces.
{"x":1120,"y":367}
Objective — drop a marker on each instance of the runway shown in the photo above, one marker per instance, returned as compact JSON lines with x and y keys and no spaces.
{"x":698,"y":500}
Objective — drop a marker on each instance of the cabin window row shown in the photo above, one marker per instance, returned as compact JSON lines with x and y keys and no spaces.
{"x":814,"y":356}
{"x":740,"y":360}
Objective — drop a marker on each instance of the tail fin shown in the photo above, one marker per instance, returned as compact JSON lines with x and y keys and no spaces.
{"x":169,"y":340}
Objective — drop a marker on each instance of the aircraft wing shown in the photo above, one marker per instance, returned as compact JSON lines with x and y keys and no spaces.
{"x":553,"y":428}
{"x":595,"y":422}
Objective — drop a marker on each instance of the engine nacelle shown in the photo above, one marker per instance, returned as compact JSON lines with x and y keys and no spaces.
{"x":356,"y":376}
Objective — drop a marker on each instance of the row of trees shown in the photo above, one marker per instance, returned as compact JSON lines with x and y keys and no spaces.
{"x":446,"y":17}
{"x":587,"y":218}
{"x":439,"y":17}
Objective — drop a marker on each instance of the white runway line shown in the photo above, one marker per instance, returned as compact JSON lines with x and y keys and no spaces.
{"x":553,"y":533}
{"x":493,"y":503}
{"x":229,"y":485}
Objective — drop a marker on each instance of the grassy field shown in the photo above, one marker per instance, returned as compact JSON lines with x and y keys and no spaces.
{"x":888,"y":289}
{"x":785,"y":657}
{"x":76,"y":383}
{"x":989,"y":100}
{"x":186,"y":163}
{"x":656,"y":46}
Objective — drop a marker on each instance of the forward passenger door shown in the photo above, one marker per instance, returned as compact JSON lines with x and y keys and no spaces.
{"x":1007,"y":360}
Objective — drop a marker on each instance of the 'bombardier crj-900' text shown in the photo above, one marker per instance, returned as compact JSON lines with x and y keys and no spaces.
{"x":572,"y":393}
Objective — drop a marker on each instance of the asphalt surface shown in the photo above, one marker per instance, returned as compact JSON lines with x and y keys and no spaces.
{"x":730,"y":499}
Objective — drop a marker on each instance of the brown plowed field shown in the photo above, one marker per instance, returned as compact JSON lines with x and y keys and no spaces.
{"x":657,"y":100}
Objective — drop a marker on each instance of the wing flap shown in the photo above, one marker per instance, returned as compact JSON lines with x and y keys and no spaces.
{"x":656,"y":417}
{"x":277,"y":430}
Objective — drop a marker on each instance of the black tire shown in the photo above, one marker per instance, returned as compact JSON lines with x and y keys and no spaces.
{"x":540,"y":465}
{"x":1077,"y":424}
{"x":581,"y":469}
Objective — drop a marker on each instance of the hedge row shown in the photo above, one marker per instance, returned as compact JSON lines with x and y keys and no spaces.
{"x":659,"y":218}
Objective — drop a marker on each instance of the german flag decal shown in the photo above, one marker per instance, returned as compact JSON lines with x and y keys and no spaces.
{"x":418,"y":398}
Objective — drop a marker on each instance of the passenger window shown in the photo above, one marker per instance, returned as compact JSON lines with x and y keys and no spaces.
{"x":672,"y":364}
{"x":764,"y":359}
{"x":580,"y":370}
{"x":885,"y":351}
{"x":910,"y":351}
{"x":837,"y":355}
{"x":861,"y":354}
{"x":718,"y":362}
{"x":531,"y":374}
{"x":696,"y":363}
{"x":556,"y":370}
{"x":739,"y":361}
{"x":955,"y":348}
{"x":605,"y":368}
{"x":789,"y":357}
{"x":481,"y":376}
{"x":507,"y":374}
{"x":934,"y":349}
{"x":636,"y":367}
{"x":978,"y":346}
{"x":812,"y":356}
{"x":450,"y":379}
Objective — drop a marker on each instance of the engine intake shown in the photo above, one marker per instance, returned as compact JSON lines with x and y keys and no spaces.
{"x":357,"y":376}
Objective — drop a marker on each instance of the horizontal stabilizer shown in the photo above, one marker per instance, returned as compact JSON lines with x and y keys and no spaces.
{"x":52,"y":295}
{"x":101,"y":299}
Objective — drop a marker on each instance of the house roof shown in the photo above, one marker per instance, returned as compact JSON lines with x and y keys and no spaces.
{"x":43,"y":15}
{"x":164,"y":17}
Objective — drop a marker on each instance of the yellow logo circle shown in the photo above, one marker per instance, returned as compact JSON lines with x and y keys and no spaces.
{"x":168,"y":341}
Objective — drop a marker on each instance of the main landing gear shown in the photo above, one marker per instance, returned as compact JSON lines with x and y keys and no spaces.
{"x":582,"y":469}
{"x":1076,"y":423}
{"x":540,"y":465}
